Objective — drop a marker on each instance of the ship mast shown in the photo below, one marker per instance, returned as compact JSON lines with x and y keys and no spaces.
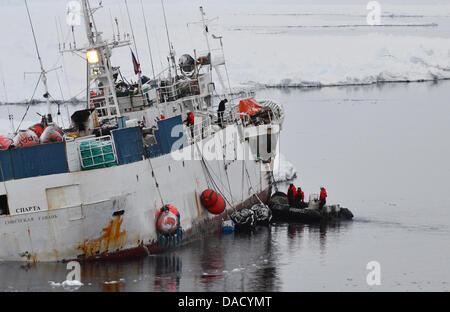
{"x":101,"y":91}
{"x":10,"y":116}
{"x":137,"y":55}
{"x":206,"y":30}
{"x":43,"y":71}
{"x":171,"y":51}
{"x":148,"y":40}
{"x":87,"y":23}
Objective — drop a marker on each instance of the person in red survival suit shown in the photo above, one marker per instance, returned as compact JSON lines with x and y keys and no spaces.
{"x":292,"y":191}
{"x":322,"y":198}
{"x":299,"y":198}
{"x":190,"y":121}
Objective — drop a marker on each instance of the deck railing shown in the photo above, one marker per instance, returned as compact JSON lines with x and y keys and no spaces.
{"x":199,"y":130}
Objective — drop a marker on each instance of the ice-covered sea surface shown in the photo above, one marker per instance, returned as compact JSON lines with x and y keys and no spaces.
{"x":379,"y":150}
{"x":278,"y":43}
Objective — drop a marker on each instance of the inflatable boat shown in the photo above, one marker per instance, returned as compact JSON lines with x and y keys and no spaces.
{"x":307,"y":212}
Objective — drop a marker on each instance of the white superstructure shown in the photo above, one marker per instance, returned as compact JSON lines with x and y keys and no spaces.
{"x":96,"y":195}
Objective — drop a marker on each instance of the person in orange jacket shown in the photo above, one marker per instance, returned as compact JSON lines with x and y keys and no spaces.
{"x":292,"y":191}
{"x":299,"y":198}
{"x":190,"y":121}
{"x":323,"y":197}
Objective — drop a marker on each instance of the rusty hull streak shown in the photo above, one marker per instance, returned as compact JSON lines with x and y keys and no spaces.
{"x":112,"y":239}
{"x":197,"y":232}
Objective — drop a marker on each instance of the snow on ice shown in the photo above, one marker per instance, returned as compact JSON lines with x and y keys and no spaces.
{"x":269,"y":44}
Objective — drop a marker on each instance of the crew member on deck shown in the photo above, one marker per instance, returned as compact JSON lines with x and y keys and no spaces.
{"x":220,"y":111}
{"x":291,"y":194}
{"x":190,"y":122}
{"x":322,"y":198}
{"x":299,"y":198}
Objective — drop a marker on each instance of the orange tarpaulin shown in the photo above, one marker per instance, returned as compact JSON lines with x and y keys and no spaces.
{"x":249,"y":106}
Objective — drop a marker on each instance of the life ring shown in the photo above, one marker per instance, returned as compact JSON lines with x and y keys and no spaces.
{"x":167,"y":220}
{"x":167,"y":207}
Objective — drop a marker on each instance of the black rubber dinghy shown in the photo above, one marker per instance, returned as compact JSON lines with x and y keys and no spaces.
{"x":282,"y":211}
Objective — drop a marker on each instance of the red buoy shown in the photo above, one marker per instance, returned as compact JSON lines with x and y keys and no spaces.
{"x":208,"y":198}
{"x":5,"y":142}
{"x":218,"y":207}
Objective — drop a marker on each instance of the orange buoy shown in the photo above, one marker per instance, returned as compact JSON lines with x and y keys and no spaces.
{"x":38,"y":129}
{"x":5,"y":142}
{"x":26,"y":138}
{"x":208,"y":198}
{"x":218,"y":207}
{"x":167,"y":220}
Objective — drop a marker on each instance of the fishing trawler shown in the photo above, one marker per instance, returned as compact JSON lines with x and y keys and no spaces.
{"x":132,"y":176}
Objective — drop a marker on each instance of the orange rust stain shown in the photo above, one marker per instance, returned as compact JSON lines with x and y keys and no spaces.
{"x":112,"y":239}
{"x":111,"y":287}
{"x":33,"y":258}
{"x":196,"y":203}
{"x":115,"y":287}
{"x":55,"y":251}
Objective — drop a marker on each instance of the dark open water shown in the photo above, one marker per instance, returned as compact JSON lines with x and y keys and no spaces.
{"x":382,"y":151}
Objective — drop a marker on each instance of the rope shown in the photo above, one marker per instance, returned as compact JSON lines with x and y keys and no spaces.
{"x":148,"y":41}
{"x":29,"y":104}
{"x":120,"y":73}
{"x":62,"y":96}
{"x":229,"y":186}
{"x":208,"y":172}
{"x":243,"y":179}
{"x":132,"y":34}
{"x":251,"y":185}
{"x":225,"y":167}
{"x":156,"y":181}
